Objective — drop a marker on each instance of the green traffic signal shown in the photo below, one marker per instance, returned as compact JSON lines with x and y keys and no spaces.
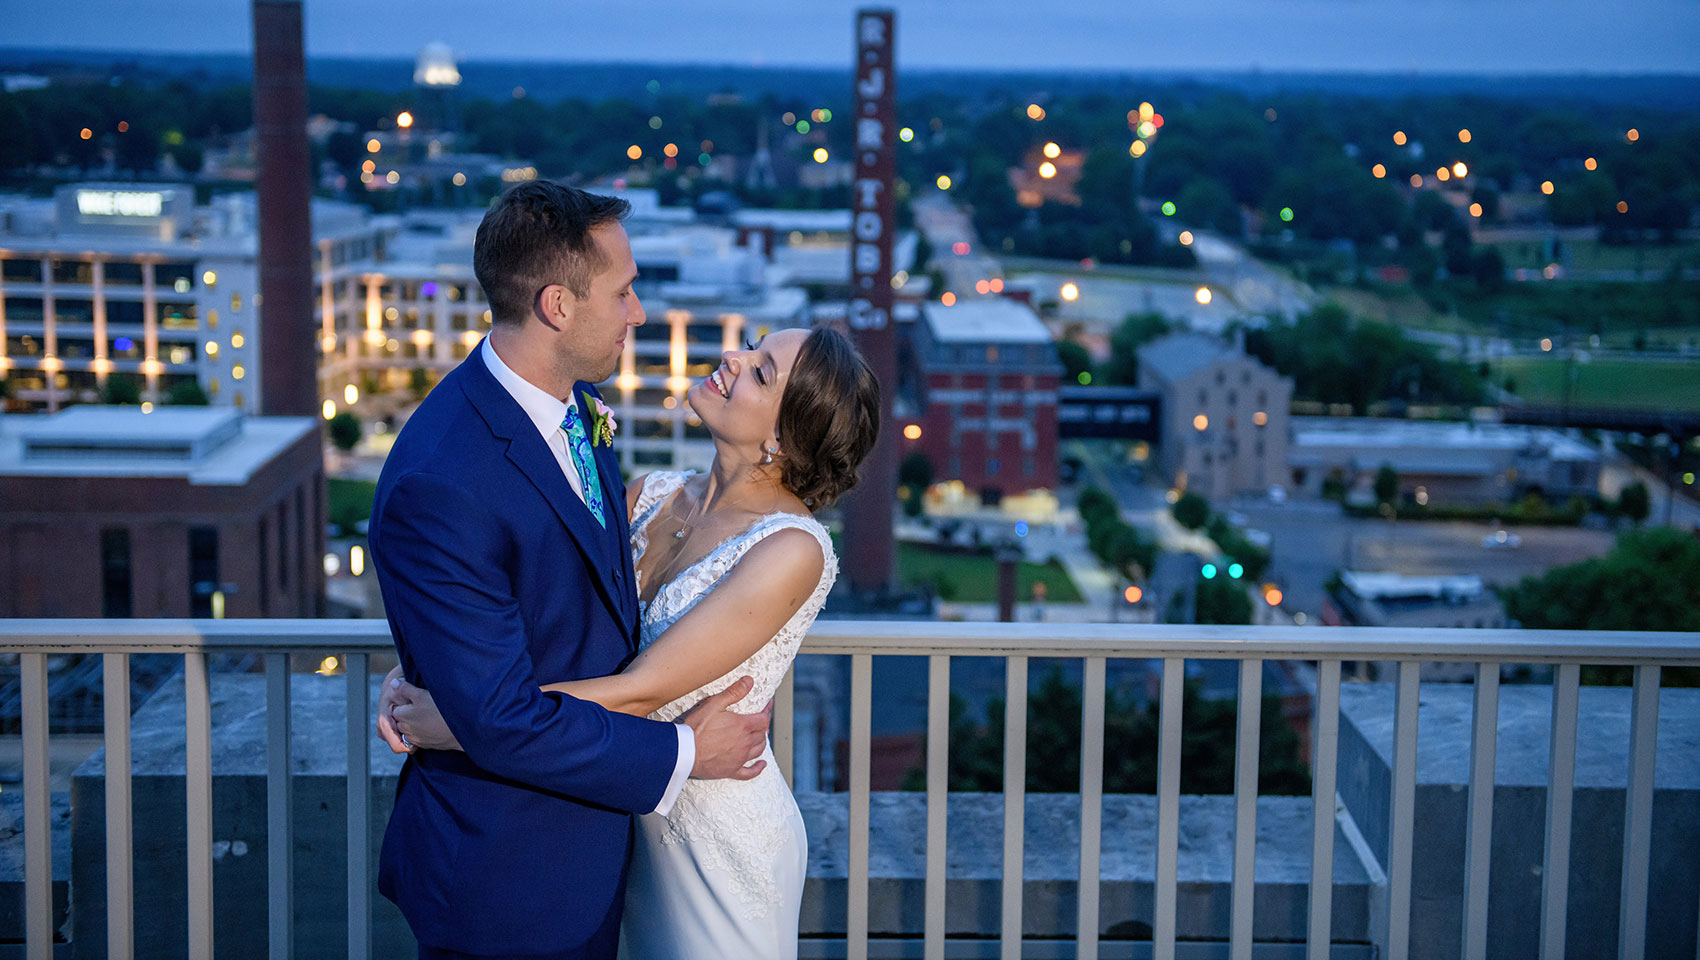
{"x":1236,"y":571}
{"x":1209,"y":571}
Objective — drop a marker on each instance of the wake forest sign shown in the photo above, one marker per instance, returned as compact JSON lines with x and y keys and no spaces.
{"x":870,"y":551}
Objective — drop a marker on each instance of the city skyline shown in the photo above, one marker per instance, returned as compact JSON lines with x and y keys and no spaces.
{"x":1433,"y":36}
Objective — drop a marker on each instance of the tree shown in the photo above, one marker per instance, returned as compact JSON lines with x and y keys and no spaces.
{"x":1076,"y":362}
{"x":1222,"y":601}
{"x":916,"y":471}
{"x":1635,"y":502}
{"x":122,"y":388}
{"x":1386,"y":484}
{"x":1649,"y":581}
{"x":1096,"y":506}
{"x":345,"y":431}
{"x":418,"y":382}
{"x":1192,"y":511}
{"x":187,"y":393}
{"x":1206,"y":202}
{"x":1488,"y":268}
{"x":1135,"y":331}
{"x":1208,"y":741}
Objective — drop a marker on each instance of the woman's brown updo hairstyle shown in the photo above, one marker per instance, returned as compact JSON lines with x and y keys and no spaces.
{"x":829,"y":418}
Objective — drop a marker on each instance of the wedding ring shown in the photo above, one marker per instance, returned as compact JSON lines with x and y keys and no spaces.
{"x":406,"y":742}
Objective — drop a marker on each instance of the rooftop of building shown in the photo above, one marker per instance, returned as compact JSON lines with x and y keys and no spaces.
{"x":1178,"y":356}
{"x":1399,"y":586}
{"x":1456,"y":438}
{"x":228,"y":226}
{"x":207,"y":446}
{"x":985,"y":320}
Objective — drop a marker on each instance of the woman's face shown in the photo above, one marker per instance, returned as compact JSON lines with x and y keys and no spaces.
{"x":739,"y":402}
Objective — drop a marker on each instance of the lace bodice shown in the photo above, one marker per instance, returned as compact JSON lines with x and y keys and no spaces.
{"x":768,"y":665}
{"x":736,"y":826}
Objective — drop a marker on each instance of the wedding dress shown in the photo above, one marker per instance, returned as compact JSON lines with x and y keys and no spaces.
{"x":721,"y":875}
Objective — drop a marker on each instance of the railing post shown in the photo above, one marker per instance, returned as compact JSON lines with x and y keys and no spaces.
{"x":1091,"y":804}
{"x":861,"y":724}
{"x":1014,"y":803}
{"x":938,"y":799}
{"x":1164,"y":899}
{"x":1246,"y":747}
{"x":38,"y":810}
{"x":1325,"y":753}
{"x":1478,"y":844}
{"x":359,"y":807}
{"x":1638,"y":814}
{"x":198,"y":784}
{"x":1401,"y":833}
{"x":280,"y":807}
{"x":120,"y":870}
{"x":1561,"y":783}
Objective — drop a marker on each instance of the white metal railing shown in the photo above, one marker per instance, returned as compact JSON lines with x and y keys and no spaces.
{"x":862,"y":641}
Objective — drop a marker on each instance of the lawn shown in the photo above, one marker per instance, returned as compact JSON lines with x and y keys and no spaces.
{"x":1652,"y":258}
{"x":1609,"y":383}
{"x":970,"y":578}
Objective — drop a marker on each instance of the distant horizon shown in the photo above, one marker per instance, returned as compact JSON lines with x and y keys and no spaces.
{"x":1374,"y":37}
{"x":12,"y":51}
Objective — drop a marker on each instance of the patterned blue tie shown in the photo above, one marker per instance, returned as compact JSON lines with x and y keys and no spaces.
{"x":579,"y":445}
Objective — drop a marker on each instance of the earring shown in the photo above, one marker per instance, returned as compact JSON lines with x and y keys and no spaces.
{"x":766,"y":455}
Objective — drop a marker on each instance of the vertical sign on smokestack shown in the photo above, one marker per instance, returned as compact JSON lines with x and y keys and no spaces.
{"x":868,"y":545}
{"x":288,"y":367}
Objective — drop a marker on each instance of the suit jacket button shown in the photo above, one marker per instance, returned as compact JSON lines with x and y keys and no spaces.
{"x":619,"y":576}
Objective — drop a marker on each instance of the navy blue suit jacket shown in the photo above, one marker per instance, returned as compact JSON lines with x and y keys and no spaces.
{"x":496,"y":578}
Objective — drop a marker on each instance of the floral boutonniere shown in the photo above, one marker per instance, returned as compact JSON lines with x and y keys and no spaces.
{"x":602,"y":423}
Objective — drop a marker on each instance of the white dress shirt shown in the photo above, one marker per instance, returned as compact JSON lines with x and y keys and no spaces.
{"x":546,"y":413}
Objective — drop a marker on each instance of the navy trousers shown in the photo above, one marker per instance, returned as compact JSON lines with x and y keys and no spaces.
{"x":603,"y":945}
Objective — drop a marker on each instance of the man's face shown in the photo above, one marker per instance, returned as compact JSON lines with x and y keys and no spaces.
{"x":596,"y":328}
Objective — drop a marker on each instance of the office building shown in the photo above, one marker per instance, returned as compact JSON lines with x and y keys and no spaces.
{"x":1224,"y":429}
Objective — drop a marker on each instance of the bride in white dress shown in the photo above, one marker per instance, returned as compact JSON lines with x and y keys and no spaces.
{"x":732,"y":568}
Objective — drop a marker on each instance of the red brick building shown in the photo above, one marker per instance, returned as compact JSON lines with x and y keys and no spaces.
{"x":112,"y":512}
{"x":986,"y":375}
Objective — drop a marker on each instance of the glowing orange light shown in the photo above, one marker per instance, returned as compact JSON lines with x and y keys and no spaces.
{"x":1475,"y":209}
{"x":912,"y":432}
{"x":1070,"y":292}
{"x":1273,"y":596}
{"x":1399,"y":137}
{"x":1416,"y":179}
{"x":1133,"y":594}
{"x":671,"y":150}
{"x":1633,"y":135}
{"x":634,"y":151}
{"x":996,"y":284}
{"x":1185,"y":238}
{"x":86,"y":134}
{"x":404,"y":120}
{"x":1201,"y":422}
{"x":1047,"y":170}
{"x":1379,"y":170}
{"x":982,"y":288}
{"x":1443,"y":174}
{"x":1035,"y":112}
{"x":1052,"y":150}
{"x":1622,"y":207}
{"x":949,"y":299}
{"x":1459,"y":170}
{"x":1463,"y":136}
{"x":1591,"y":163}
{"x":123,"y":126}
{"x":1546,"y":187}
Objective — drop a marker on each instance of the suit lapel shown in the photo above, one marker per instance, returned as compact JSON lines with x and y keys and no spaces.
{"x":617,"y":539}
{"x":527,"y":451}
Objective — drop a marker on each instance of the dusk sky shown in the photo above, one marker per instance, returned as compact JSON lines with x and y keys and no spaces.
{"x":1429,"y":36}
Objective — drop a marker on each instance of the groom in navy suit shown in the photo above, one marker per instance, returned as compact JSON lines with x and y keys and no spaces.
{"x":500,"y":541}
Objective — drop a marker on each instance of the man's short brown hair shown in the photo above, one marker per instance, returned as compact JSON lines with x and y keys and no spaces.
{"x":535,"y":234}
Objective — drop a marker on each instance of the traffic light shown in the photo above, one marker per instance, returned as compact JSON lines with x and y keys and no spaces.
{"x":1208,"y":572}
{"x":1235,"y":571}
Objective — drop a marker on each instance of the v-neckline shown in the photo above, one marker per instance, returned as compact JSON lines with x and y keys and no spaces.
{"x":644,"y":604}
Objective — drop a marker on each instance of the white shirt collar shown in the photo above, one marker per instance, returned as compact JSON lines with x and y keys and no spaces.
{"x":546,"y":411}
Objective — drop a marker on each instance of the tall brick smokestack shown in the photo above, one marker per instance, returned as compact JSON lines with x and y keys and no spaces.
{"x":288,"y":359}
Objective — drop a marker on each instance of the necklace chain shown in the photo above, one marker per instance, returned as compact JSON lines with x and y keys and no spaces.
{"x":686,"y":523}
